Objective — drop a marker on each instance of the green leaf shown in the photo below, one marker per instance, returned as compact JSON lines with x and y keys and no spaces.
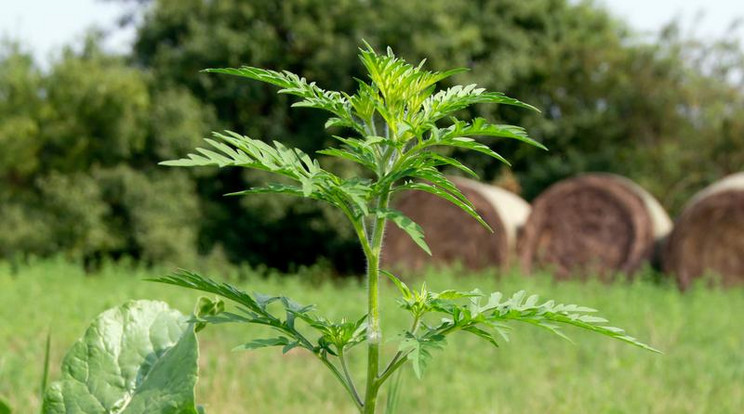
{"x":473,"y":145}
{"x":402,"y":287}
{"x":483,"y":334}
{"x":481,"y":127}
{"x":263,"y":343}
{"x":235,"y":150}
{"x":4,"y":407}
{"x":419,"y":350}
{"x":445,"y":160}
{"x":353,"y":156}
{"x":407,"y":225}
{"x":313,"y":96}
{"x":191,"y":280}
{"x":207,"y":307}
{"x":466,"y":207}
{"x":45,"y":372}
{"x":445,"y":102}
{"x":271,"y":188}
{"x":138,"y":358}
{"x":550,"y":315}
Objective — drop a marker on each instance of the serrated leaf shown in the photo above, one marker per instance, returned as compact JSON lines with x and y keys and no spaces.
{"x":419,"y":350}
{"x":271,"y":188}
{"x":290,"y":346}
{"x":473,"y":145}
{"x":450,"y":294}
{"x":531,"y":301}
{"x":449,"y":197}
{"x":445,"y":160}
{"x":263,"y":343}
{"x":407,"y":225}
{"x":191,"y":280}
{"x":402,"y":287}
{"x":482,"y":334}
{"x":140,"y":357}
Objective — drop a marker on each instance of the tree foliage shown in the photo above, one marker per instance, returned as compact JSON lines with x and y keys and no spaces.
{"x":611,"y":101}
{"x":666,"y":113}
{"x":82,"y":140}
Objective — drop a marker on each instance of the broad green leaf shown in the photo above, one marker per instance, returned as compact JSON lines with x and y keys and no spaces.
{"x":138,"y":358}
{"x":4,"y":407}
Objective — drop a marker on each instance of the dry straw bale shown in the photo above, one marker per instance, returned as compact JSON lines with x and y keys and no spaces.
{"x":592,"y":224}
{"x":709,"y":235}
{"x":452,"y":234}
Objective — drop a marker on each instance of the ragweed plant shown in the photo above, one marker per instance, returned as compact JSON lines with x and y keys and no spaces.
{"x":394,"y":124}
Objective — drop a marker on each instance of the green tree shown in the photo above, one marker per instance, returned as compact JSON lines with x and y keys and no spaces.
{"x":568,"y":58}
{"x":80,"y":176}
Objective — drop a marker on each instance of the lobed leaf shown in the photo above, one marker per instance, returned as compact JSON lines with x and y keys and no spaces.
{"x":418,"y":349}
{"x":263,"y":343}
{"x":477,"y":318}
{"x":407,"y":225}
{"x":292,"y":84}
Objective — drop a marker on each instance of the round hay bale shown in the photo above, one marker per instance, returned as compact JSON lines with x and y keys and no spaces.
{"x":452,"y":234}
{"x":709,"y":235}
{"x":593,"y":224}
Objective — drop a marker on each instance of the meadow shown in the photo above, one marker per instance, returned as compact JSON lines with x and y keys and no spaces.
{"x":701,"y":333}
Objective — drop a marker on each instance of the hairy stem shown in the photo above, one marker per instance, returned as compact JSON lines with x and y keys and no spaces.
{"x":374,"y":331}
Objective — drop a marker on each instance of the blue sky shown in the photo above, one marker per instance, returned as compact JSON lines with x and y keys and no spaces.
{"x":45,"y":25}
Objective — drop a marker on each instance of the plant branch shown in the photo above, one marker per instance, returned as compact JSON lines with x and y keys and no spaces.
{"x":349,"y":387}
{"x":399,"y":354}
{"x":349,"y":379}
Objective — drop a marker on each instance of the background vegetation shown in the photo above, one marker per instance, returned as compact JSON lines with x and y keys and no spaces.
{"x":701,"y":333}
{"x":81,"y":138}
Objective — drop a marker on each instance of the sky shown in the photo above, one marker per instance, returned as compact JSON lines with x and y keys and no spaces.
{"x":45,"y":25}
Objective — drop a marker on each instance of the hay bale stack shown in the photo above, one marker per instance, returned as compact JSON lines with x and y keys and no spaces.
{"x":709,"y":235}
{"x":593,"y":224}
{"x":452,"y":234}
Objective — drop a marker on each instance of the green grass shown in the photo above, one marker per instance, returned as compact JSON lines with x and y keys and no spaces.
{"x":700,"y":332}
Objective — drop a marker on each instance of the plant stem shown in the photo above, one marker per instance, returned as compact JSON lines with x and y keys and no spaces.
{"x":347,"y":385}
{"x":349,"y":379}
{"x":374,"y":331}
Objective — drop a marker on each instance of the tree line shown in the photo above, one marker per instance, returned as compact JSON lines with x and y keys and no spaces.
{"x":81,"y":140}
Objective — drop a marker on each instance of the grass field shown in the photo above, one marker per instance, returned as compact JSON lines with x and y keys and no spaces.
{"x":701,"y":333}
